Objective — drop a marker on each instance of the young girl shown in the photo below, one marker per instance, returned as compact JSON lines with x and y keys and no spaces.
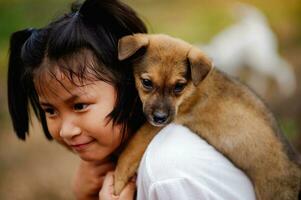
{"x":86,"y":100}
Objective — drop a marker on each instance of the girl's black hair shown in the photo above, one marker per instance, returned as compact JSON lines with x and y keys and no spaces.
{"x":96,"y":25}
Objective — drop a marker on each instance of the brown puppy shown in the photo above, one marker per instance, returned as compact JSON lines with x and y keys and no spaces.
{"x":176,"y":82}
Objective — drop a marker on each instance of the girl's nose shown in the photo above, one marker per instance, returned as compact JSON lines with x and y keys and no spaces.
{"x":69,"y":130}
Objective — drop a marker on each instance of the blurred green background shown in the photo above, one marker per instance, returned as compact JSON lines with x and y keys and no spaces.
{"x":38,"y":169}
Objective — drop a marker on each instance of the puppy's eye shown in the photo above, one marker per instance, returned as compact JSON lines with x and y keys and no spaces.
{"x":147,"y":84}
{"x":179,"y":87}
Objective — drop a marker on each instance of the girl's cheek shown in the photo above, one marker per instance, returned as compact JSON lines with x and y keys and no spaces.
{"x":54,"y":130}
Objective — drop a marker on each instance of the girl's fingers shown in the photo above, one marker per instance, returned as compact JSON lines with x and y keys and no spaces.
{"x":109,"y":180}
{"x":107,"y":190}
{"x":128,"y":192}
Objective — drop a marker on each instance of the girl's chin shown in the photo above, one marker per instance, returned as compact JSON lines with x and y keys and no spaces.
{"x":93,"y":156}
{"x":94,"y":152}
{"x":90,"y":158}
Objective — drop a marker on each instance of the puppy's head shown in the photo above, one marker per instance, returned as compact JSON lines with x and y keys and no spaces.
{"x":166,"y":70}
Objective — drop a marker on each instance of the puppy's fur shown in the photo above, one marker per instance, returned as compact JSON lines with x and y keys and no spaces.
{"x":177,"y":82}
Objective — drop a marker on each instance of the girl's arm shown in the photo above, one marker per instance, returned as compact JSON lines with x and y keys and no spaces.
{"x":89,"y":179}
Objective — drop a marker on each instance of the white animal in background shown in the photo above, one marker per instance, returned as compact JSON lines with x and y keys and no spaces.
{"x":251,"y":43}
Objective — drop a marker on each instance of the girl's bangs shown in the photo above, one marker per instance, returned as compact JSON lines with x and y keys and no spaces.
{"x":79,"y":67}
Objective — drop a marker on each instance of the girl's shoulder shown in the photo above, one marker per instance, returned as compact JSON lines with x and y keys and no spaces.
{"x":177,"y":156}
{"x":175,"y":148}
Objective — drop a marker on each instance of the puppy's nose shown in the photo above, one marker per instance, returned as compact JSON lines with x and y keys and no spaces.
{"x":160,"y":117}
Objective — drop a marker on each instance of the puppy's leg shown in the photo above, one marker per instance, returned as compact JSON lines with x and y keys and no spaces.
{"x":129,"y":159}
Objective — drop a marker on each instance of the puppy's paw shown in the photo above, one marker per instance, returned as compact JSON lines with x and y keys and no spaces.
{"x":125,"y":169}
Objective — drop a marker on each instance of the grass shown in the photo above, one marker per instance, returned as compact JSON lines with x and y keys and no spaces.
{"x":289,"y":127}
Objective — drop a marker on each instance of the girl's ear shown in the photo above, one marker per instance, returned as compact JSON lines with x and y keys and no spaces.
{"x":17,"y":95}
{"x":130,"y":44}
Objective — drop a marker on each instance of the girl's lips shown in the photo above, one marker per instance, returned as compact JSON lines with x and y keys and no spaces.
{"x":82,"y":146}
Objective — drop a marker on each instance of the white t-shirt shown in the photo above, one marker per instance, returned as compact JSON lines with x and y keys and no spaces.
{"x":179,"y":165}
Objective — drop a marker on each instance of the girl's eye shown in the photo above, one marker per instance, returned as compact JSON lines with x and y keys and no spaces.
{"x":80,"y":106}
{"x":147,"y":84}
{"x":50,"y":112}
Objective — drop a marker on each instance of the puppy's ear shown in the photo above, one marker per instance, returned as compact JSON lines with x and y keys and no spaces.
{"x":199,"y":64}
{"x":130,"y":44}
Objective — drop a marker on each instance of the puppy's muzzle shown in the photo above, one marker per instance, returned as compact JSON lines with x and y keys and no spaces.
{"x":160,"y":118}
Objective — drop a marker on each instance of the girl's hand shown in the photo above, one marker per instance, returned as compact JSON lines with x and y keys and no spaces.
{"x":107,"y":190}
{"x":89,"y":179}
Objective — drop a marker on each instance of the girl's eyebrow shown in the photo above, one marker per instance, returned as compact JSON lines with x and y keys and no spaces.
{"x":45,"y":104}
{"x":71,"y":99}
{"x":68,"y":100}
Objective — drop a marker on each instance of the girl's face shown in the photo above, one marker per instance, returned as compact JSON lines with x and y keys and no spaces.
{"x":76,"y":116}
